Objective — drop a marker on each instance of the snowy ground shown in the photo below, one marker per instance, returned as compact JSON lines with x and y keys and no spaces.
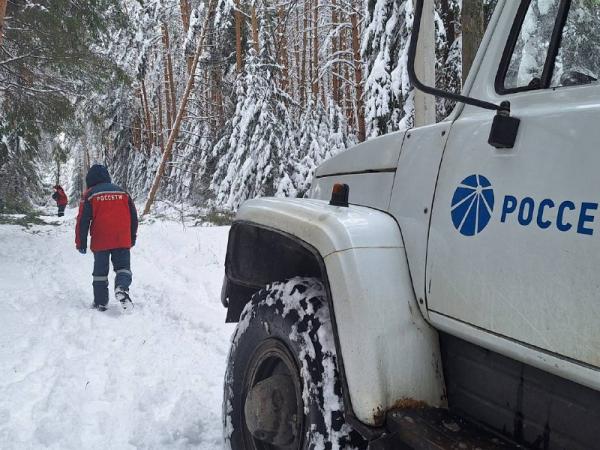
{"x":74,"y":378}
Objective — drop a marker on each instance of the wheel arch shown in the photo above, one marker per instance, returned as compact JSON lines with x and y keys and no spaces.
{"x":387,"y":353}
{"x":240,"y":285}
{"x":257,"y":255}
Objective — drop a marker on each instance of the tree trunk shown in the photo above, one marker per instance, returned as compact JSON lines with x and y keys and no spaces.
{"x":169,"y":81}
{"x":335,"y":81}
{"x":57,"y":171}
{"x":255,"y":29}
{"x":239,"y":23}
{"x":168,"y":100}
{"x":218,"y":98}
{"x":86,"y":167}
{"x":180,"y":113}
{"x":304,"y":48}
{"x":161,"y":129}
{"x":136,"y":133}
{"x":2,"y":15}
{"x":349,"y":104}
{"x":472,"y":34}
{"x":205,"y":106}
{"x":146,"y":107}
{"x":449,"y":24}
{"x":283,"y":54}
{"x":341,"y":79}
{"x":360,"y":107}
{"x":297,"y":53}
{"x":184,"y":6}
{"x":315,"y":48}
{"x":346,"y":97}
{"x":144,"y":122}
{"x":172,"y":83}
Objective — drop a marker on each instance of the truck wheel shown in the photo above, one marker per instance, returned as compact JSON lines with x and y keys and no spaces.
{"x":281,"y":385}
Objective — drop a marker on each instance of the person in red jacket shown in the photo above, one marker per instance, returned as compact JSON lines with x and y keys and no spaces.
{"x":107,"y":212}
{"x":61,"y":199}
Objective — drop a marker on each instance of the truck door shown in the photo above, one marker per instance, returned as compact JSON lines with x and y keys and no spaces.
{"x":514,"y":244}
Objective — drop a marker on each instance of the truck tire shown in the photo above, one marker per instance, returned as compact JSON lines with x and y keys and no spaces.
{"x":282,"y":389}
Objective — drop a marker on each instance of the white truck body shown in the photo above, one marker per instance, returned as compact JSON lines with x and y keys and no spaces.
{"x":529,"y":290}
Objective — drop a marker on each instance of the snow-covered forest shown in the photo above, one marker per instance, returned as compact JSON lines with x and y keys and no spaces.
{"x":167,"y":115}
{"x":234,"y":99}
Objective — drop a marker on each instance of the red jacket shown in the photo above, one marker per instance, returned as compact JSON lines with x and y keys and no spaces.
{"x":109,"y":214}
{"x":60,"y":197}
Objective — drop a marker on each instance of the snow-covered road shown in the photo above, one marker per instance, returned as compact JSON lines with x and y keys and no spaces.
{"x":74,"y":378}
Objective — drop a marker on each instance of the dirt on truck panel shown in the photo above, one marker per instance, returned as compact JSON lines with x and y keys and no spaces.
{"x":438,"y":429}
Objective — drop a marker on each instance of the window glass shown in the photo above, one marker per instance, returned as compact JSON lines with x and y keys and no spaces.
{"x":578,"y":60}
{"x":528,"y":58}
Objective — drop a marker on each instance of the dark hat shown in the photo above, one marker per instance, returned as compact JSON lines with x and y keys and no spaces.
{"x":96,"y":175}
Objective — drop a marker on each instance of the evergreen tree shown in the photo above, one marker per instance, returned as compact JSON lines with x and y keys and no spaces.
{"x":388,"y":105}
{"x":322,"y":135}
{"x":51,"y":64}
{"x":250,"y":152}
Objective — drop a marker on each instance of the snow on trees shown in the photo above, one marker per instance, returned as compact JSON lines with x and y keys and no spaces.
{"x":279,"y":87}
{"x":248,"y":156}
{"x":384,"y":48}
{"x":51,"y":61}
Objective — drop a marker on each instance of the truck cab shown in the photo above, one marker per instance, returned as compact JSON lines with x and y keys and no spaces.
{"x":440,"y":287}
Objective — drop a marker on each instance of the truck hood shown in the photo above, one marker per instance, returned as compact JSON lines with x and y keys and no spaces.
{"x":376,"y":155}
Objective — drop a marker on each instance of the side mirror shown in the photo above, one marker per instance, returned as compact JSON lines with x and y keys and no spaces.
{"x":504,"y":127}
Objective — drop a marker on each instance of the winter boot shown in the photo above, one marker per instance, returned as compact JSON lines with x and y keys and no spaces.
{"x":100,"y":308}
{"x":122,"y":295}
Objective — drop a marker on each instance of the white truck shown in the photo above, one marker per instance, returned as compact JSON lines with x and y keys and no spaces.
{"x":441,"y":287}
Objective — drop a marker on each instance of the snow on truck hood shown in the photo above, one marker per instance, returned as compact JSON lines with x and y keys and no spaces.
{"x":377,"y":154}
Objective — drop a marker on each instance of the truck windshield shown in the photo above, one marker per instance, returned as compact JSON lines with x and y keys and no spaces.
{"x":528,"y":58}
{"x":578,"y":59}
{"x":558,"y":44}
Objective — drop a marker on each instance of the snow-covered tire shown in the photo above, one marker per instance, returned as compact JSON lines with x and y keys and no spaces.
{"x":285,"y":333}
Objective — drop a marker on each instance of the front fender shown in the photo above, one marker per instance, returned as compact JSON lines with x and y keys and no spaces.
{"x":388,"y":353}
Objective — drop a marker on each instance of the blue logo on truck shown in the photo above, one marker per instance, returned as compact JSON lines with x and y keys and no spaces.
{"x":472,"y":205}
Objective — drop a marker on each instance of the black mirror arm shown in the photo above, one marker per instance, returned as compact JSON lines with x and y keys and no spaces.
{"x":414,"y":79}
